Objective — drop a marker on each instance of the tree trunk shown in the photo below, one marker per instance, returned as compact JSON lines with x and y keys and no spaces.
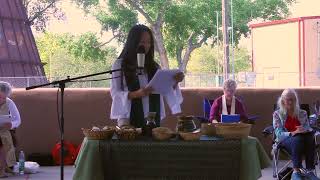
{"x":185,"y":60}
{"x":160,"y":45}
{"x":179,"y":56}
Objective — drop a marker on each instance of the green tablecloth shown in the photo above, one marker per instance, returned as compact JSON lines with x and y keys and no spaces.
{"x":253,"y":159}
{"x":90,"y":165}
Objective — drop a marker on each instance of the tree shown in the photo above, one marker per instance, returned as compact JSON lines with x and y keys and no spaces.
{"x":207,"y":60}
{"x":63,"y":57}
{"x":181,"y":26}
{"x":47,"y":45}
{"x":40,"y":12}
{"x":85,"y":46}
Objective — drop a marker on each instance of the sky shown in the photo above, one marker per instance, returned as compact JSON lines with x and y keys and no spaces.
{"x":77,"y":22}
{"x":306,"y":8}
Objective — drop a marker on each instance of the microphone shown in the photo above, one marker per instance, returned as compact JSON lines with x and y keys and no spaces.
{"x":140,"y":59}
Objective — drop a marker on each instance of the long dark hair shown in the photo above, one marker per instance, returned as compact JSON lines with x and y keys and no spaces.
{"x":129,"y":54}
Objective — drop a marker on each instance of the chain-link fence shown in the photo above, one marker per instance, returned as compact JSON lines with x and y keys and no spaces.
{"x":244,"y":79}
{"x":22,"y":82}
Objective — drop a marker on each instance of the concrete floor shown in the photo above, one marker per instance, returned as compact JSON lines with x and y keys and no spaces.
{"x":46,"y":173}
{"x":53,"y":173}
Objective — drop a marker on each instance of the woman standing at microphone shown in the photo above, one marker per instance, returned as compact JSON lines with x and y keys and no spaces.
{"x":132,"y":100}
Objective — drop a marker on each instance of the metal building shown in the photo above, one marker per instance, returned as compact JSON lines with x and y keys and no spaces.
{"x":286,"y":53}
{"x":19,"y":58}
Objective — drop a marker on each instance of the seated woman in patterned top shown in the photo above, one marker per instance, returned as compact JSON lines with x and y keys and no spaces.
{"x":294,"y":134}
{"x":227,"y":104}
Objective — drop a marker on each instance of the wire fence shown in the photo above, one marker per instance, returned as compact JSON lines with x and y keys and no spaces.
{"x":244,"y":79}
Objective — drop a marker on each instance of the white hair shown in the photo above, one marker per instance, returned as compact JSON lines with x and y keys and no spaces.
{"x":230,"y":84}
{"x":5,"y":88}
{"x":280,"y":104}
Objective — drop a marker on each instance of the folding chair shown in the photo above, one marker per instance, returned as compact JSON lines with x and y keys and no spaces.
{"x":276,"y":149}
{"x":207,"y":103}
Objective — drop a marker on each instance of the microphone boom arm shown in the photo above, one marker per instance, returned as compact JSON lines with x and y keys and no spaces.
{"x":63,"y":81}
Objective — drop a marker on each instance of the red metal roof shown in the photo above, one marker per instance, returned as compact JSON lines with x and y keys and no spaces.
{"x":283,"y":21}
{"x":19,"y":55}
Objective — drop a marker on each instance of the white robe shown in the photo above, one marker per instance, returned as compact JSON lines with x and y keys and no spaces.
{"x":121,"y":104}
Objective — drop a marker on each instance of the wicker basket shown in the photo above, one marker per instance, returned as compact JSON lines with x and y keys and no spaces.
{"x":208,"y":129}
{"x":98,"y":135}
{"x":190,"y":136}
{"x":233,"y":130}
{"x":162,"y":133}
{"x":128,"y":134}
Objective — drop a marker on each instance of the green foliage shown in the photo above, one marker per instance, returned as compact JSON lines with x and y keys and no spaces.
{"x":48,"y":45}
{"x":207,"y":60}
{"x":61,"y":62}
{"x":63,"y":65}
{"x":119,"y":19}
{"x":197,"y":19}
{"x":186,"y":24}
{"x":242,"y":61}
{"x":86,"y":46}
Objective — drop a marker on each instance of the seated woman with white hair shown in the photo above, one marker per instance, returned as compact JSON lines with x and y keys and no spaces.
{"x":294,"y":134}
{"x":228,"y":104}
{"x":9,"y":119}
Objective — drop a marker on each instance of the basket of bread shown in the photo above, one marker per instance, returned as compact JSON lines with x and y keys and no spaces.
{"x":128,"y":133}
{"x":96,"y":133}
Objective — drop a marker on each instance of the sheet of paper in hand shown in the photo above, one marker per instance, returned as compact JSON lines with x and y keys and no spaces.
{"x":163,"y":81}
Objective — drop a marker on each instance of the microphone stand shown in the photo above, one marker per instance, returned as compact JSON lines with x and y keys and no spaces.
{"x":62,"y":84}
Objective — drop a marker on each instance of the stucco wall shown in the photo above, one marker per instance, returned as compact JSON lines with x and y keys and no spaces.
{"x":87,"y":107}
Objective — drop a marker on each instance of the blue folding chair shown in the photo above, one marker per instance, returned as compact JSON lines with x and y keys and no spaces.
{"x":207,"y":103}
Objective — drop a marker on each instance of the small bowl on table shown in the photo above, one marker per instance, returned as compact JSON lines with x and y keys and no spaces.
{"x":191,"y":136}
{"x":162,"y":133}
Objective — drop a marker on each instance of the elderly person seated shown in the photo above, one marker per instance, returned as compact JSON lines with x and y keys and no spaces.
{"x":9,"y":119}
{"x":227,"y":104}
{"x":294,"y":134}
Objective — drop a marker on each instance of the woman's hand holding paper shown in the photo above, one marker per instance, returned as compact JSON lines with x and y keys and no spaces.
{"x":178,"y":78}
{"x":142,"y":92}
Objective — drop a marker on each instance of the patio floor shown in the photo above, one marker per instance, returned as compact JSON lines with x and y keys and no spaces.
{"x":53,"y":173}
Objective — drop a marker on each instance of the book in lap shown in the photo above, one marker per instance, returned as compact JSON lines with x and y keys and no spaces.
{"x":234,"y":118}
